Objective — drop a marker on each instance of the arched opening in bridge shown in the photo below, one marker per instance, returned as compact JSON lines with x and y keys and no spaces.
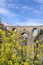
{"x":25,"y":36}
{"x":14,"y":29}
{"x":7,"y":28}
{"x":35,"y":32}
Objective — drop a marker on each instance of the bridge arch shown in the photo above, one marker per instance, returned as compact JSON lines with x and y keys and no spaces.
{"x":35,"y":31}
{"x":14,"y":29}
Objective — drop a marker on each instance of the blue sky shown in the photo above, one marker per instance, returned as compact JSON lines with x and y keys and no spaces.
{"x":21,"y":12}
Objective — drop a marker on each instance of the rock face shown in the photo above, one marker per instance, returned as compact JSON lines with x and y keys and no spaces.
{"x":29,"y":31}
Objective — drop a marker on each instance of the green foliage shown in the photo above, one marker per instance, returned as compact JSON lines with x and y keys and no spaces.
{"x":39,"y":33}
{"x":12,"y":51}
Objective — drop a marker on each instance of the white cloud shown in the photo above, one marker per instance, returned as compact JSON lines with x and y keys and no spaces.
{"x":38,"y":11}
{"x":6,"y":12}
{"x":2,"y":3}
{"x":35,"y":22}
{"x":25,"y":7}
{"x":3,"y":9}
{"x":10,"y":5}
{"x":39,"y":1}
{"x":7,"y":4}
{"x":41,"y":7}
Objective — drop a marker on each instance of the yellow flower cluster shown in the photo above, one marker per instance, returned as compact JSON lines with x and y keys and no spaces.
{"x":13,"y":56}
{"x":37,"y":62}
{"x":26,"y":63}
{"x":41,"y":45}
{"x":3,"y":59}
{"x":13,"y":53}
{"x":10,"y":62}
{"x":7,"y":50}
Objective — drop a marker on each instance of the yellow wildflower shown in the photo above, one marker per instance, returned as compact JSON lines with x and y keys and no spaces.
{"x":41,"y":45}
{"x":31,"y":56}
{"x":3,"y":59}
{"x":9,"y":62}
{"x":38,"y":55}
{"x":36,"y":61}
{"x":19,"y":58}
{"x":13,"y":56}
{"x":26,"y":63}
{"x":20,"y":47}
{"x":17,"y":44}
{"x":8,"y":45}
{"x":32,"y":48}
{"x":32,"y":64}
{"x":37,"y":41}
{"x":7,"y":50}
{"x":16,"y":63}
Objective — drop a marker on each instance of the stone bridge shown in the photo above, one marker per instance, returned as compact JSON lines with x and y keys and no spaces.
{"x":29,"y":31}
